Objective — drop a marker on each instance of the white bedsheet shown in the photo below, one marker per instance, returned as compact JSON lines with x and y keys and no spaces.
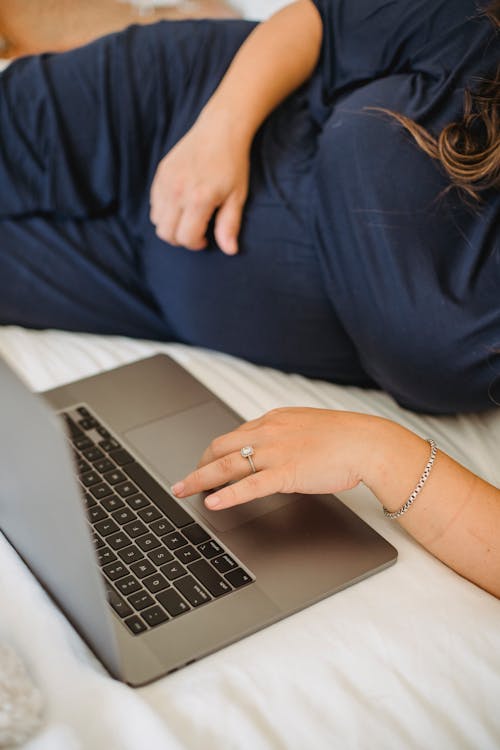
{"x":409,"y":658}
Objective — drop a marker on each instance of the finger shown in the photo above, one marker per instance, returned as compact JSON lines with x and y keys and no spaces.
{"x":227,"y":468}
{"x":228,"y":224}
{"x":227,"y":443}
{"x":256,"y":485}
{"x":192,"y":226}
{"x":166,"y":226}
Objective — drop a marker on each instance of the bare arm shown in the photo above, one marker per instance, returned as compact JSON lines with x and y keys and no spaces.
{"x":208,"y":169}
{"x":456,"y":516}
{"x":278,"y":56}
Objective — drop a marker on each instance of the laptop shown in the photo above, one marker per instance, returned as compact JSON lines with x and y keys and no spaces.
{"x":152,"y":583}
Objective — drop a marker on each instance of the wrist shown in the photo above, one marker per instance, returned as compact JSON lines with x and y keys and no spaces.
{"x":397,"y":456}
{"x":229,"y":121}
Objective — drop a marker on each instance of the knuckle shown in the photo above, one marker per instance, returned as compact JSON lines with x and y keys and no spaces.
{"x":225,"y":465}
{"x":216,"y":445}
{"x":253,"y":482}
{"x":199,"y":197}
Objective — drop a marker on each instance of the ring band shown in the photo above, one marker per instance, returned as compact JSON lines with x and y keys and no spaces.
{"x":248,"y":452}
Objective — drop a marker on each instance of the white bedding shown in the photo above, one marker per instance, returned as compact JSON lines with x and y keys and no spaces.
{"x":409,"y":658}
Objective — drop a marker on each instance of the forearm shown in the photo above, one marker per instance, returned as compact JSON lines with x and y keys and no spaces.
{"x":277,"y":57}
{"x":456,"y":516}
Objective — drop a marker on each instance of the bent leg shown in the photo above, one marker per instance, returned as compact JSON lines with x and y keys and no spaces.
{"x":74,"y":275}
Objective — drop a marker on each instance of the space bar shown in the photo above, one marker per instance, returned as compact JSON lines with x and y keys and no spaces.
{"x":157,"y":495}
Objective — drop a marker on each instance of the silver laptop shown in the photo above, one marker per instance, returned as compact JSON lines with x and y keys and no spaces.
{"x":152,"y":583}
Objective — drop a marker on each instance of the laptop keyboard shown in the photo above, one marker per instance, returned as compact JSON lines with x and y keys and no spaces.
{"x":157,"y":561}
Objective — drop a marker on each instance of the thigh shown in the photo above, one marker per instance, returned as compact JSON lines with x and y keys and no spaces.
{"x":412,"y":272}
{"x":74,"y":275}
{"x":81,"y":132}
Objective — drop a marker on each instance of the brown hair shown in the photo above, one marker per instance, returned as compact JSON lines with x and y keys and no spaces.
{"x":469,"y":149}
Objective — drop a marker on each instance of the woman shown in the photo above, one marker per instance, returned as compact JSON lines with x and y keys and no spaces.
{"x":344,"y":254}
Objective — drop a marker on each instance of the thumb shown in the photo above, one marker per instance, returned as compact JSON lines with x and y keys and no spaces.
{"x":228,"y":223}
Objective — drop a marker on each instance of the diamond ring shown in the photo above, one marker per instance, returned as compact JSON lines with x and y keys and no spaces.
{"x":248,"y":452}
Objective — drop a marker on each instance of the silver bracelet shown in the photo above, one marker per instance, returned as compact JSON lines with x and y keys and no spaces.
{"x":418,"y":489}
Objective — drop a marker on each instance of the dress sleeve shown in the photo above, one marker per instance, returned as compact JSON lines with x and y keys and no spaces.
{"x":368,"y":39}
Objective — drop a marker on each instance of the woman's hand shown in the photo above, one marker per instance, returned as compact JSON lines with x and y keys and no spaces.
{"x":296,"y":450}
{"x":206,"y":172}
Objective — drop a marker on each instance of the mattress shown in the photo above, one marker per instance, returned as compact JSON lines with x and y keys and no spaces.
{"x":408,"y":658}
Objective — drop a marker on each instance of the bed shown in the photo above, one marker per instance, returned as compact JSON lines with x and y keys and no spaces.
{"x":408,"y":658}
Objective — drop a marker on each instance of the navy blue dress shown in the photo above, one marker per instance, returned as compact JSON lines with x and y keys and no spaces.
{"x":354,"y":266}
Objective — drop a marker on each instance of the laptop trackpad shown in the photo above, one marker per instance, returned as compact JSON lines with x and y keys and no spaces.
{"x":173,"y":445}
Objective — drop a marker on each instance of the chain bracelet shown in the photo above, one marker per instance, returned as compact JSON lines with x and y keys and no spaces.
{"x":418,"y":488}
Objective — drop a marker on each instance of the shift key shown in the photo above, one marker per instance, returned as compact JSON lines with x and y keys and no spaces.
{"x":212,"y":581}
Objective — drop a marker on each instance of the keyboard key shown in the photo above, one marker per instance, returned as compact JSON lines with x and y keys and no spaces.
{"x":160,"y":556}
{"x":118,"y":541}
{"x":126,"y":489}
{"x":72,"y":428}
{"x":137,"y":502}
{"x":143,"y":568}
{"x":187,"y":554}
{"x":173,"y":570}
{"x":113,"y":502}
{"x":128,"y":585}
{"x":109,"y":444}
{"x":223,"y":563}
{"x":130,"y":554}
{"x":135,"y":625}
{"x":192,"y":590}
{"x":160,"y":528}
{"x":154,"y":616}
{"x":121,"y":457}
{"x":140,"y":600}
{"x":119,"y":605}
{"x":103,"y":465}
{"x":83,"y":411}
{"x":123,"y":515}
{"x":83,"y":443}
{"x":238,"y":577}
{"x":151,"y":513}
{"x":213,"y":582}
{"x":90,"y":478}
{"x":93,"y":454}
{"x":89,"y":500}
{"x":100,"y":490}
{"x":105,"y":556}
{"x":158,"y":496}
{"x":115,"y":570}
{"x":96,"y":514}
{"x":97,"y":541}
{"x":82,"y":466}
{"x":106,"y":527}
{"x":173,"y":602}
{"x":88,"y":423}
{"x":115,"y":476}
{"x":103,"y":432}
{"x":135,"y":528}
{"x":196,"y":534}
{"x":147,"y":542}
{"x":155,"y":583}
{"x":174,"y":540}
{"x":210,"y":549}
